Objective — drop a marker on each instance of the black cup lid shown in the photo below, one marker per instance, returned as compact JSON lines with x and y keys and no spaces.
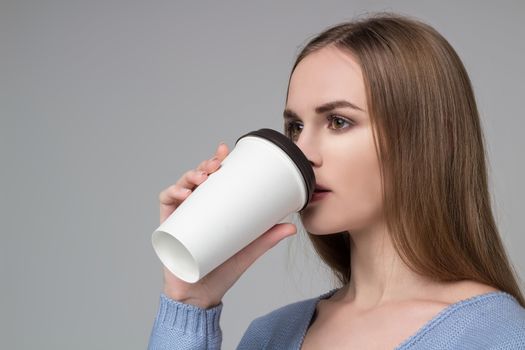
{"x":295,"y":154}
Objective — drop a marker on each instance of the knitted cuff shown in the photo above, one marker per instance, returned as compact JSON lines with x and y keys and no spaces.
{"x":173,"y":314}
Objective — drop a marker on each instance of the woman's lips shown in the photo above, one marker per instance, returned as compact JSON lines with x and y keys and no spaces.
{"x":319,"y":194}
{"x":319,"y":187}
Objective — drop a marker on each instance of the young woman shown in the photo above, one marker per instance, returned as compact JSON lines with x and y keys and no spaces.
{"x":384,"y":110}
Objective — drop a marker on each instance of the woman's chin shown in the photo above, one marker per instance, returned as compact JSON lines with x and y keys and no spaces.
{"x":317,"y":229}
{"x":321,"y":222}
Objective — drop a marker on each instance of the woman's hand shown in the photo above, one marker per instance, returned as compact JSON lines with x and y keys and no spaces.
{"x":209,"y":290}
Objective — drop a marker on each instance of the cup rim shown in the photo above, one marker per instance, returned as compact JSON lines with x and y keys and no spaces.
{"x":295,"y":154}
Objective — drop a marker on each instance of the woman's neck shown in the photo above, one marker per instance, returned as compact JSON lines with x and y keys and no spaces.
{"x":378,"y":273}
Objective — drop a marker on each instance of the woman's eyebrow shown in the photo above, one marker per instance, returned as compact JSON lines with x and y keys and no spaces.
{"x":326,"y":107}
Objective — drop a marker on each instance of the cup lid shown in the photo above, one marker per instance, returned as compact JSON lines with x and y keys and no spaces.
{"x":295,"y":154}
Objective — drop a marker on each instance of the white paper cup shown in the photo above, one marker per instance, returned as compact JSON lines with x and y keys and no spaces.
{"x":263,"y":179}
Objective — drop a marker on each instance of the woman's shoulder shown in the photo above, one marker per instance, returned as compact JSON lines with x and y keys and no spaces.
{"x":499,"y":312}
{"x":494,"y":307}
{"x":494,"y":319}
{"x":490,"y":305}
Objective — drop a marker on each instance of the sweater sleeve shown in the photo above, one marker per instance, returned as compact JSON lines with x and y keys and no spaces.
{"x":183,"y":326}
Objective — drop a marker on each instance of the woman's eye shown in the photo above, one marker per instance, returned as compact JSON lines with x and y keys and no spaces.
{"x":292,"y":129}
{"x":337,"y":123}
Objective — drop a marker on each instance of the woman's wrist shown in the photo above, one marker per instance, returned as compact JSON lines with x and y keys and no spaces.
{"x":177,"y":296}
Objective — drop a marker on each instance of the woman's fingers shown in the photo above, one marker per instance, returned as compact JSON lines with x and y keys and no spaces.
{"x":192,"y":178}
{"x":222,"y":151}
{"x":265,"y":242}
{"x":174,"y":195}
{"x":170,"y":199}
{"x":211,"y":165}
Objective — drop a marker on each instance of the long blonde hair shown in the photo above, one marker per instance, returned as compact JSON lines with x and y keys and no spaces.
{"x":431,"y":152}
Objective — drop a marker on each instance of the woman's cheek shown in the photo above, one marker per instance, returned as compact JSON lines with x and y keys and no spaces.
{"x":360,"y":195}
{"x":367,"y":199}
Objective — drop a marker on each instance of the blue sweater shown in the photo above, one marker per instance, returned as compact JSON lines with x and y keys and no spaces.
{"x":493,"y":320}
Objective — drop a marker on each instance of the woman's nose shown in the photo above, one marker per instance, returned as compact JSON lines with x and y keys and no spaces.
{"x":310,"y":149}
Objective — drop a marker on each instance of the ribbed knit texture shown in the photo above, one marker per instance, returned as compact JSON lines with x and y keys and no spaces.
{"x":493,"y":321}
{"x":183,"y":326}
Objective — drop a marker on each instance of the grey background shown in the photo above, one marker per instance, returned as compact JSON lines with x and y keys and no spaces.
{"x":105,"y":103}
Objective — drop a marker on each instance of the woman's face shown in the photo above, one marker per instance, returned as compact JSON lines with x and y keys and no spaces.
{"x":336,"y":137}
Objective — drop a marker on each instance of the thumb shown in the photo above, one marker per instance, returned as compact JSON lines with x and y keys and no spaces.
{"x":265,"y":242}
{"x":226,"y":274}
